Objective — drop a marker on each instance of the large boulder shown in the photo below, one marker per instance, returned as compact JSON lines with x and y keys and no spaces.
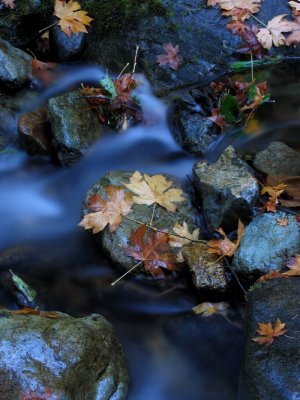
{"x":65,"y":357}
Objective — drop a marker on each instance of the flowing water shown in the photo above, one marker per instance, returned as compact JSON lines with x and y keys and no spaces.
{"x":171,"y":354}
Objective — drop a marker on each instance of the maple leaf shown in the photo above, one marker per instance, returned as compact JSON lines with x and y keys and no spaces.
{"x":229,"y":6}
{"x":273,"y":33}
{"x":283,"y":222}
{"x":154,"y":251}
{"x":291,"y":187}
{"x":294,"y":37}
{"x":271,"y":275}
{"x":274,"y":192}
{"x":9,"y":4}
{"x":293,"y":264}
{"x":72,"y":19}
{"x":107,"y":212}
{"x":172,"y":58}
{"x":183,"y":231}
{"x":225,"y":246}
{"x":154,"y":189}
{"x":207,"y":309}
{"x":251,"y":44}
{"x":43,"y":70}
{"x":268,"y":333}
{"x":124,"y":85}
{"x":35,"y":311}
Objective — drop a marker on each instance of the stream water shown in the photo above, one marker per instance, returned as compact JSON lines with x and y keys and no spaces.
{"x":171,"y":354}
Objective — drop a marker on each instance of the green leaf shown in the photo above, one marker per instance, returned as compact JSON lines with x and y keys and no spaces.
{"x":230,"y":109}
{"x":108,"y":85}
{"x":251,"y":92}
{"x":22,"y":286}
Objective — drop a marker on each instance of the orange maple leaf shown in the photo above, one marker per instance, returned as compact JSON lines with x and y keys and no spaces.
{"x":154,"y":251}
{"x":268,"y":333}
{"x":71,"y":18}
{"x":107,"y":211}
{"x":172,"y":58}
{"x":225,"y":246}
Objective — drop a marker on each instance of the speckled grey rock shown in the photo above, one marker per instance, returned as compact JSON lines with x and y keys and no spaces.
{"x":278,"y":159}
{"x":74,"y":126}
{"x":163,"y":219}
{"x":227,"y":189}
{"x":266,"y":245}
{"x":66,"y":48}
{"x":15,"y":66}
{"x":272,"y":372}
{"x":70,"y":357}
{"x":207,"y":269}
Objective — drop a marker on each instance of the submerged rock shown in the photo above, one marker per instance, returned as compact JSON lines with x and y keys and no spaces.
{"x":272,"y":372}
{"x":227,"y":189}
{"x":66,"y":48}
{"x":75,"y":126}
{"x":67,"y":357}
{"x":278,"y":159}
{"x":266,"y":245}
{"x":15,"y":66}
{"x":208,"y":272}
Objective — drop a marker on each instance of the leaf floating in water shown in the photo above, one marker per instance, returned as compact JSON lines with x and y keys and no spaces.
{"x":208,"y":309}
{"x":23,"y":287}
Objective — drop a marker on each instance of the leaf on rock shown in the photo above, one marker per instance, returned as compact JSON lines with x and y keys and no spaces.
{"x":294,"y":37}
{"x":23,"y":287}
{"x":208,"y":309}
{"x":124,"y":85}
{"x":225,"y":246}
{"x":217,"y":118}
{"x":184,"y":232}
{"x":9,"y":4}
{"x":229,"y":6}
{"x":154,"y":189}
{"x":172,"y":58}
{"x":268,"y":333}
{"x":295,"y":6}
{"x":35,"y":311}
{"x":271,"y":275}
{"x":43,"y":70}
{"x":291,"y":185}
{"x":273,"y":33}
{"x":282,"y":222}
{"x":71,"y":18}
{"x":46,"y":395}
{"x":154,"y":250}
{"x":293,"y":264}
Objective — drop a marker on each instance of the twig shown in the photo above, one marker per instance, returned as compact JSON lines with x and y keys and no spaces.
{"x":135,"y":61}
{"x":152,"y":216}
{"x":258,"y":20}
{"x":235,"y":275}
{"x":121,"y":73}
{"x":47,"y":27}
{"x":126,"y":273}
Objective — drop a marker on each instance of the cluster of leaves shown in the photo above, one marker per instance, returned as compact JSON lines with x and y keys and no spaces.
{"x":293,"y":263}
{"x":257,"y":41}
{"x":267,"y":333}
{"x":237,"y":102}
{"x":113,"y":100}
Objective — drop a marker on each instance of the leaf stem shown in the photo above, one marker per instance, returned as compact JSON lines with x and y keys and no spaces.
{"x":47,"y":27}
{"x":152,"y":216}
{"x":258,"y":20}
{"x":121,"y":73}
{"x":126,"y":273}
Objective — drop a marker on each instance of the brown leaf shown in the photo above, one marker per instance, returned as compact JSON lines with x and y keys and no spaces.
{"x":124,"y":85}
{"x":71,"y":18}
{"x":217,"y":118}
{"x":172,"y":58}
{"x":154,"y":250}
{"x":35,"y":311}
{"x":268,"y":333}
{"x":225,"y":246}
{"x":273,"y":33}
{"x":43,"y":70}
{"x":109,"y":211}
{"x":293,"y":264}
{"x":271,"y":275}
{"x":291,"y":186}
{"x":154,"y":189}
{"x":9,"y":4}
{"x":283,"y":222}
{"x":207,"y":309}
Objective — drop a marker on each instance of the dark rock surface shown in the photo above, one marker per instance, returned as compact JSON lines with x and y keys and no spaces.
{"x":266,"y":245}
{"x":273,"y":372}
{"x":227,"y":189}
{"x":66,"y":48}
{"x":70,"y":357}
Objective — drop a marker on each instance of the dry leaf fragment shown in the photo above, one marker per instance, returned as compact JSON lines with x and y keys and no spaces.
{"x":109,"y":212}
{"x":9,"y":4}
{"x":35,"y":311}
{"x":154,"y":250}
{"x":283,"y":222}
{"x":295,"y":5}
{"x":217,"y":118}
{"x":46,"y":395}
{"x":225,"y":246}
{"x":72,"y":19}
{"x":293,"y":264}
{"x":154,"y":189}
{"x":268,"y":333}
{"x":207,"y":309}
{"x":172,"y":58}
{"x":294,"y":37}
{"x":271,"y":275}
{"x":273,"y":33}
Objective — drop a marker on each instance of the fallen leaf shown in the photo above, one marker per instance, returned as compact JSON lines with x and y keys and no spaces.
{"x":291,"y":186}
{"x":293,"y":264}
{"x":154,"y":250}
{"x":225,"y":246}
{"x":296,"y":7}
{"x":9,"y":3}
{"x":46,"y":395}
{"x":294,"y":37}
{"x":251,"y":44}
{"x":217,"y":118}
{"x":271,"y":275}
{"x":283,"y":222}
{"x":207,"y":309}
{"x":172,"y":58}
{"x":154,"y":189}
{"x":273,"y":33}
{"x":23,"y":287}
{"x":71,"y":18}
{"x":229,"y":6}
{"x":268,"y":333}
{"x":183,"y":231}
{"x":274,"y":191}
{"x":43,"y":70}
{"x":124,"y":85}
{"x":35,"y":311}
{"x":109,"y":212}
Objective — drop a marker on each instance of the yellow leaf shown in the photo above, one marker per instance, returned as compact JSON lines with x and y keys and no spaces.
{"x":207,"y":309}
{"x":154,"y":189}
{"x":183,"y":231}
{"x":225,"y":246}
{"x":268,"y":333}
{"x":72,"y":19}
{"x":273,"y":32}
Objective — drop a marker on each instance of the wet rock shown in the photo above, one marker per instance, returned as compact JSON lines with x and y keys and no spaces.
{"x":21,"y":25}
{"x":272,"y":372}
{"x":35,"y":132}
{"x":15,"y":66}
{"x":74,"y":125}
{"x":266,"y":245}
{"x":227,"y":189}
{"x":66,"y":48}
{"x":207,"y":269}
{"x":278,"y":159}
{"x":163,"y":219}
{"x":68,"y":357}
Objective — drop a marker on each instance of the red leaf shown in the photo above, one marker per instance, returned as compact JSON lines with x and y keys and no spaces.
{"x":172,"y":58}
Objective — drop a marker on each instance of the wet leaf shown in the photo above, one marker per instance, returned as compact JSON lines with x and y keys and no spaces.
{"x":154,"y":189}
{"x":293,"y":264}
{"x":294,"y":37}
{"x":217,"y":118}
{"x":283,"y":222}
{"x":229,"y":6}
{"x":154,"y":250}
{"x":108,"y":85}
{"x":71,"y":18}
{"x":109,"y":212}
{"x":35,"y":311}
{"x":230,"y":109}
{"x":268,"y":333}
{"x":208,"y":309}
{"x":225,"y":246}
{"x":271,"y":275}
{"x":291,"y":185}
{"x":172,"y":58}
{"x":22,"y":286}
{"x":124,"y":85}
{"x":273,"y":33}
{"x":184,"y":232}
